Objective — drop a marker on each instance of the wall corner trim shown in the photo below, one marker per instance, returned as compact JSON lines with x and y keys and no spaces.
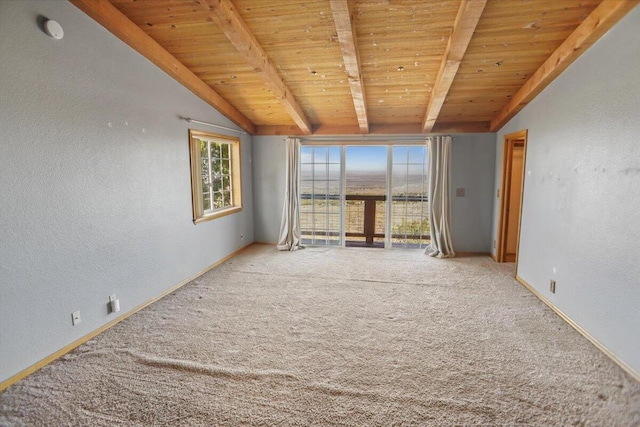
{"x":66,"y":349}
{"x":631,"y":371}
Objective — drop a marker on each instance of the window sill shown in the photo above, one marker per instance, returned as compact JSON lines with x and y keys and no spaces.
{"x":218,"y":214}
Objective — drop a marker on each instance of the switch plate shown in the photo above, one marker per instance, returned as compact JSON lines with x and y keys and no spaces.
{"x":75,"y":318}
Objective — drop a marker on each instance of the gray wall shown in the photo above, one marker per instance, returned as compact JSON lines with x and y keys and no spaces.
{"x":472,"y":168}
{"x":95,"y":182}
{"x":269,"y":184}
{"x":581,"y":200}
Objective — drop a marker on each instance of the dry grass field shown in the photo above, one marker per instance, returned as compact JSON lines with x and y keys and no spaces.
{"x":320,"y":210}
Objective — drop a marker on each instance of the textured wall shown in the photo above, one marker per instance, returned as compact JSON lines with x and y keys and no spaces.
{"x":269,"y":184}
{"x":94,"y":167}
{"x":581,"y":200}
{"x":473,"y":169}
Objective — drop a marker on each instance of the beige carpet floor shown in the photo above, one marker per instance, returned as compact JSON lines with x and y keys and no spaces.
{"x":334,"y":337}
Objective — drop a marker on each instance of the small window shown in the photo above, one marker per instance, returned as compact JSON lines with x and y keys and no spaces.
{"x":215,"y":175}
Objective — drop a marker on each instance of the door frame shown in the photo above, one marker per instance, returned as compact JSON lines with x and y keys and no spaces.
{"x":507,"y":159}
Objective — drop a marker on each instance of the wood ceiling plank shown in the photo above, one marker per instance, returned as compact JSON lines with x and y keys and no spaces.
{"x":520,"y":40}
{"x":300,"y":37}
{"x":122,"y":27}
{"x":349,"y":46}
{"x":401,"y":46}
{"x":463,"y":28}
{"x":605,"y":16}
{"x":226,"y":17}
{"x":300,"y":40}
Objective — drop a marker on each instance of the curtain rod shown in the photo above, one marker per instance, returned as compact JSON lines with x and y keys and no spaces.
{"x":190,"y":120}
{"x":370,"y":139}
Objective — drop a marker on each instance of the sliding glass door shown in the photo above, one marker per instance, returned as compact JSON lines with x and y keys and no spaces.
{"x":369,"y":196}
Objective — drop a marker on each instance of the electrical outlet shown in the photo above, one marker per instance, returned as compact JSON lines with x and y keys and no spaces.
{"x":114,"y":304}
{"x":460,"y":192}
{"x":552,"y":286}
{"x":75,"y":318}
{"x":242,"y":237}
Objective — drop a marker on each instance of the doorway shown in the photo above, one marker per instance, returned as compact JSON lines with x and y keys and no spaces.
{"x":513,"y":166}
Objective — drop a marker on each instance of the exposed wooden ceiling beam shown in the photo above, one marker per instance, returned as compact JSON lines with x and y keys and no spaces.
{"x":378,"y":129}
{"x":348,"y":43}
{"x":227,"y":18}
{"x":605,"y":16}
{"x":113,"y":20}
{"x":463,"y":28}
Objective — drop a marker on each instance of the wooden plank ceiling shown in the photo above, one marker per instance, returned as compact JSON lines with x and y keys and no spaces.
{"x":365,"y":66}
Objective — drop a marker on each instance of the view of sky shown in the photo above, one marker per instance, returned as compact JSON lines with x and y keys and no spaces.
{"x":364,"y":158}
{"x":371,"y":159}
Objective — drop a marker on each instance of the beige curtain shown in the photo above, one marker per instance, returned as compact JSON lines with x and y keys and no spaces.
{"x":289,"y":239}
{"x":439,"y":197}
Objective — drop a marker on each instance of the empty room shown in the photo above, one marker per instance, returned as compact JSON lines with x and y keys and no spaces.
{"x":319,"y":212}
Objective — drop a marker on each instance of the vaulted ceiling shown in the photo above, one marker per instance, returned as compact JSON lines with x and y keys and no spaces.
{"x":364,"y":66}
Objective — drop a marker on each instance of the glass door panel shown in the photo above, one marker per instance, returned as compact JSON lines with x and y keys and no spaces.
{"x":409,"y":191}
{"x":365,"y":195}
{"x":320,"y":190}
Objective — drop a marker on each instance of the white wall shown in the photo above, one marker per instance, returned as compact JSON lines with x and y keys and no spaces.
{"x":472,"y":168}
{"x":581,"y":201}
{"x":95,"y":182}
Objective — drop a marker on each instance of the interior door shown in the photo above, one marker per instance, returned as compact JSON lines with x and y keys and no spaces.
{"x":514,"y":160}
{"x":515,"y":198}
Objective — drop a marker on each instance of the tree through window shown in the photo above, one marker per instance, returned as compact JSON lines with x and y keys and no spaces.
{"x":215,"y":175}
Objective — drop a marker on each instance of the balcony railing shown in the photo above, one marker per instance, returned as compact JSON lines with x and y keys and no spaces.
{"x":365,"y":219}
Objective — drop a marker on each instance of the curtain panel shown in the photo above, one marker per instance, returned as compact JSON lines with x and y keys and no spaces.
{"x":289,"y":238}
{"x":439,"y":197}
